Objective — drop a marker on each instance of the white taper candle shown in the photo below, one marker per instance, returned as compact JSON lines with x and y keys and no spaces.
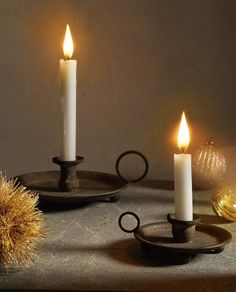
{"x":183,"y":187}
{"x":68,"y":101}
{"x":183,"y":176}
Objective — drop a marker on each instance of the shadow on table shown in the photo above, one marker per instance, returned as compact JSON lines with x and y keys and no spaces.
{"x":130,"y":252}
{"x":183,"y":282}
{"x":127,"y":251}
{"x":50,"y":207}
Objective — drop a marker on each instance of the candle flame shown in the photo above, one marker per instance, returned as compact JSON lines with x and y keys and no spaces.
{"x":183,"y":135}
{"x":68,"y":47}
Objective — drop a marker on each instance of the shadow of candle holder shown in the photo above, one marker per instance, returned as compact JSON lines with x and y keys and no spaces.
{"x":133,"y":253}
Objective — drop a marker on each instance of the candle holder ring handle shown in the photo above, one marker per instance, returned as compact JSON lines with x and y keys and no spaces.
{"x":125,"y":229}
{"x":128,"y":153}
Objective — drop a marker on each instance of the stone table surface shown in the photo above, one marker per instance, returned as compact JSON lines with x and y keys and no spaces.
{"x":85,"y":249}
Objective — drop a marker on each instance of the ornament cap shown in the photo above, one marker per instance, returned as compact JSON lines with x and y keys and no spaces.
{"x":210,"y":142}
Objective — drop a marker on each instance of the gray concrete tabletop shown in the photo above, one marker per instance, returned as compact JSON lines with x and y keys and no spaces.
{"x":85,"y":250}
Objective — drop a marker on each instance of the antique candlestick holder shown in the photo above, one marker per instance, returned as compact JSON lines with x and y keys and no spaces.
{"x":183,"y":231}
{"x":71,"y":185}
{"x":68,"y":176}
{"x":184,"y":239}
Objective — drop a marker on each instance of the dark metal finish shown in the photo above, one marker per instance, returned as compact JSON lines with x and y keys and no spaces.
{"x":68,"y":179}
{"x":163,"y":236}
{"x":183,"y":231}
{"x":94,"y":186}
{"x":129,"y":230}
{"x":136,"y":153}
{"x":207,"y":239}
{"x":70,"y":185}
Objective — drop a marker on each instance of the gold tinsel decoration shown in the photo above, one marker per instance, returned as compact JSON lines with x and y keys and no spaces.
{"x":21,"y":224}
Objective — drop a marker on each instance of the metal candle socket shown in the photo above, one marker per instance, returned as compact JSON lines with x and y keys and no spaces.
{"x":183,"y":231}
{"x":68,"y":177}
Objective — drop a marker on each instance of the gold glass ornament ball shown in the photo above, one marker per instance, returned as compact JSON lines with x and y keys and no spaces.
{"x":224,"y":203}
{"x":209,"y":166}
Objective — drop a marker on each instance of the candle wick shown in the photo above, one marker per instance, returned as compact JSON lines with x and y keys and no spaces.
{"x":183,"y":149}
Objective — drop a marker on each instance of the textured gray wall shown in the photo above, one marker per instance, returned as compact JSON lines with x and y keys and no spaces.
{"x":139,"y":64}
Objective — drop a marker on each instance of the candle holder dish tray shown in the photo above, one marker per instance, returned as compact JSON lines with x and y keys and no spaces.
{"x":169,"y":240}
{"x":70,"y":185}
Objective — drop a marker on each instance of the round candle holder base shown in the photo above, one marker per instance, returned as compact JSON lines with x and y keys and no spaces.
{"x":75,"y":186}
{"x":178,"y":242}
{"x":93,"y":187}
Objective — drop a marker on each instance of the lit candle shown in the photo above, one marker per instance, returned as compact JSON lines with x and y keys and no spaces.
{"x":183,"y":175}
{"x":68,"y":100}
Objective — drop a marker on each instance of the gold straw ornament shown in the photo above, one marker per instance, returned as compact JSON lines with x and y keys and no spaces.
{"x":21,"y":224}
